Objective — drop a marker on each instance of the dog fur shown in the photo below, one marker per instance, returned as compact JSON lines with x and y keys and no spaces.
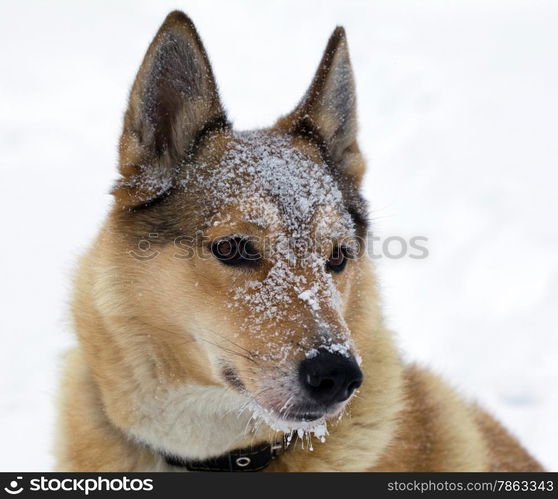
{"x":165,"y":363}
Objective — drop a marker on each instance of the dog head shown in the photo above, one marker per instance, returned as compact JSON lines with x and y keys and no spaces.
{"x":256,"y":237}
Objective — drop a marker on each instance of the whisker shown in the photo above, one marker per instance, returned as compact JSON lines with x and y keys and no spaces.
{"x":229,"y":350}
{"x":233,"y":343}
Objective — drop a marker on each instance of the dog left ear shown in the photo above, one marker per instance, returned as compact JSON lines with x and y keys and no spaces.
{"x":173,"y":103}
{"x":327,"y":113}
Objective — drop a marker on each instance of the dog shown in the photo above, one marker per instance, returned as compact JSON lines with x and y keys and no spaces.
{"x":227,"y":315}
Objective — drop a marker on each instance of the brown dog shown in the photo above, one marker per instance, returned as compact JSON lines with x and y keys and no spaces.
{"x":227,"y":307}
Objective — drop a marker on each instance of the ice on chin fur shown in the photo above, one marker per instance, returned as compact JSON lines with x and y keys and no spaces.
{"x":302,"y":430}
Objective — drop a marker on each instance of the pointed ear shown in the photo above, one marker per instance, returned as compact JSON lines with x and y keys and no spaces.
{"x":327,"y":113}
{"x":173,"y":102}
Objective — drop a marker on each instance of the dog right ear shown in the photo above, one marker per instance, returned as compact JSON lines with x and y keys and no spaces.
{"x":327,"y":112}
{"x":173,"y":102}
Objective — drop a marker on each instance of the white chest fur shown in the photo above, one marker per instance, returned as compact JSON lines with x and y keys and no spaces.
{"x":193,"y":421}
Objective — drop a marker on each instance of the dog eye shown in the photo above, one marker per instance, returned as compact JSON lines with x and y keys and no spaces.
{"x":338,"y":259}
{"x":235,"y":251}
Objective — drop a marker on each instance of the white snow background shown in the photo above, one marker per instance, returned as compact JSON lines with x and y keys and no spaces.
{"x":458,"y":109}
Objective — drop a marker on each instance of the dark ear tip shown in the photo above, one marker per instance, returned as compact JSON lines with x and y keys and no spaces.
{"x":177,"y":18}
{"x":337,"y":39}
{"x":339,"y":32}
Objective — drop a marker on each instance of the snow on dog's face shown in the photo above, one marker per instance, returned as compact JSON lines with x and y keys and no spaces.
{"x":282,"y":245}
{"x":271,"y":224}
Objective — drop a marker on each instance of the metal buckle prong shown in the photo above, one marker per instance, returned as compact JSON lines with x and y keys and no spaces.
{"x":276,"y":450}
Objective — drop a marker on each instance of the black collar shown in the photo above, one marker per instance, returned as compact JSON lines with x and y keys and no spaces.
{"x":250,"y":459}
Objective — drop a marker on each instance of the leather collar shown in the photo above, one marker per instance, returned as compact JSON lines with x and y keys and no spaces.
{"x":254,"y":458}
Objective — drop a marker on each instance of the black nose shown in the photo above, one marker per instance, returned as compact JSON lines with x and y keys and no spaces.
{"x":330,"y":377}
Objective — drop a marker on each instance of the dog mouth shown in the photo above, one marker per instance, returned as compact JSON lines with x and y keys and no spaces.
{"x":304,"y":417}
{"x":288,"y":421}
{"x":297,"y":418}
{"x":307,"y":413}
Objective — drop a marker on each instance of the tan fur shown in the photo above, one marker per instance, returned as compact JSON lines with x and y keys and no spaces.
{"x":147,"y":377}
